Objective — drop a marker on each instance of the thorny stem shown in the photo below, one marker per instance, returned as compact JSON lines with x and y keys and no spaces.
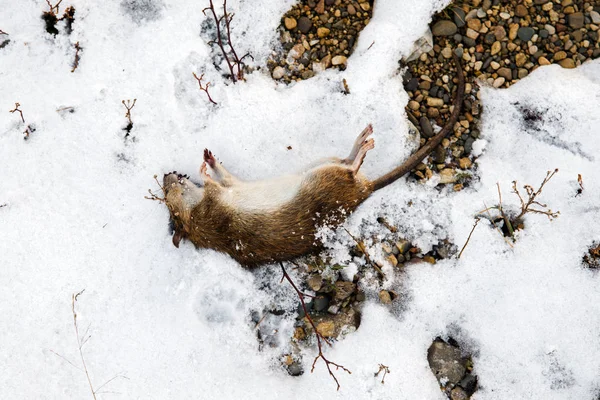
{"x":320,"y":337}
{"x":205,"y":87}
{"x":79,"y":342}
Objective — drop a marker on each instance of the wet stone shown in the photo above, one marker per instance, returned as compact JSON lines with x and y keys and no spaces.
{"x":525,"y":33}
{"x":444,"y":28}
{"x":304,"y":24}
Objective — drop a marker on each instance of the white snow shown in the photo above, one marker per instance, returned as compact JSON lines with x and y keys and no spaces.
{"x":175,"y":323}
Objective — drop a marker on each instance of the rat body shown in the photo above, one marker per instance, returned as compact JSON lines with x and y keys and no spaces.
{"x":277,"y":219}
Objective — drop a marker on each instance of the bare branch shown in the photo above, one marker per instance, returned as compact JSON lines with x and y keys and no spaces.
{"x":205,"y":87}
{"x":17,"y":105}
{"x":76,"y":62}
{"x":385,"y":369}
{"x":319,"y":336}
{"x":469,"y":238}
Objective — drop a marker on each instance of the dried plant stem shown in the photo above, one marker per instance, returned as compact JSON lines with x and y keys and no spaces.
{"x":154,"y":196}
{"x":385,"y":369}
{"x":469,"y":238}
{"x":2,"y":32}
{"x":81,"y":342}
{"x":17,"y":105}
{"x":129,"y":106}
{"x":320,"y":337}
{"x":364,"y":250}
{"x":531,"y":200}
{"x":54,"y":7}
{"x":204,"y":88}
{"x":76,"y":63}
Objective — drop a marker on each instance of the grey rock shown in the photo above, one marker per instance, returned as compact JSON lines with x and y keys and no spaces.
{"x":403,"y":246}
{"x":343,"y":290}
{"x":295,"y":369}
{"x":304,"y":24}
{"x":469,"y":383}
{"x":487,"y":4}
{"x":321,"y":303}
{"x":446,"y":362}
{"x":525,"y":33}
{"x":459,"y":16}
{"x":595,"y":16}
{"x":439,"y":156}
{"x":412,"y":85}
{"x":426,"y":127}
{"x":444,"y":28}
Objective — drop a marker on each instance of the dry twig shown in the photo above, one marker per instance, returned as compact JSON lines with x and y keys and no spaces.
{"x":320,"y":337}
{"x":154,"y":196}
{"x":80,"y":341}
{"x":17,"y":105}
{"x":128,"y":106}
{"x":469,"y":238}
{"x":205,"y":87}
{"x":363,"y":249}
{"x":2,"y":32}
{"x":54,"y":7}
{"x":385,"y":369}
{"x":28,"y":129}
{"x":234,"y":63}
{"x":76,"y":63}
{"x":580,"y":182}
{"x":531,"y":200}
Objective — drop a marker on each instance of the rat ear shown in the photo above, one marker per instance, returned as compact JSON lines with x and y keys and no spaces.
{"x":177,"y":236}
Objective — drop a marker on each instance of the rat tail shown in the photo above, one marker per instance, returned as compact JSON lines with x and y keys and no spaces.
{"x":420,"y":154}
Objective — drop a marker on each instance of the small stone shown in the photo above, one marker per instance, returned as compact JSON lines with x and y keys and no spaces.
{"x":297,"y":51}
{"x":459,"y":16}
{"x":465,"y":163}
{"x":338,"y":60}
{"x":551,"y":30}
{"x":447,"y":52}
{"x":521,"y":10}
{"x":522,"y":73}
{"x":321,"y":303}
{"x":533,"y":49}
{"x":392,"y":259}
{"x":299,"y":333}
{"x":434,"y":102}
{"x":351,"y":10}
{"x":304,"y":24}
{"x":426,"y":127}
{"x":512,"y":31}
{"x":320,"y":8}
{"x":413,"y":105}
{"x":548,"y":6}
{"x":278,"y":72}
{"x":595,"y":16}
{"x":315,"y":282}
{"x":326,"y":328}
{"x":429,"y":259}
{"x":521,"y":59}
{"x":458,"y":393}
{"x":498,"y":82}
{"x":499,"y":32}
{"x":446,"y":362}
{"x":403,"y":246}
{"x":471,"y":34}
{"x":444,"y":28}
{"x":322,"y":32}
{"x":506,"y":73}
{"x":504,"y":15}
{"x":343,"y":290}
{"x":481,"y":13}
{"x":496,"y":47}
{"x":494,"y":65}
{"x":561,"y":55}
{"x":384,"y":297}
{"x":543,"y":61}
{"x":474,"y":24}
{"x":576,"y":20}
{"x":525,"y":33}
{"x":448,"y":175}
{"x":478,"y":65}
{"x":365,"y":6}
{"x":290,"y":23}
{"x":567,"y":63}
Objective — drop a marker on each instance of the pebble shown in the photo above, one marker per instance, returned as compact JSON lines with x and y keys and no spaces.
{"x":426,"y":127}
{"x":506,"y":73}
{"x":543,"y":61}
{"x":384,"y":297}
{"x":278,"y":72}
{"x":525,"y":33}
{"x":496,"y":47}
{"x":444,"y":28}
{"x":447,"y":52}
{"x":434,"y":102}
{"x":567,"y":63}
{"x":595,"y":17}
{"x":290,"y":23}
{"x":474,"y":24}
{"x":464,"y":163}
{"x":521,"y":10}
{"x":521,"y":59}
{"x":551,"y":30}
{"x":561,"y":55}
{"x":321,"y":303}
{"x":576,"y":20}
{"x":322,"y":31}
{"x":498,"y":82}
{"x":472,"y":34}
{"x":414,"y":105}
{"x":326,"y":328}
{"x":304,"y":24}
{"x":338,"y":60}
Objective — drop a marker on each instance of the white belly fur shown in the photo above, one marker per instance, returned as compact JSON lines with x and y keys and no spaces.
{"x":262,"y":195}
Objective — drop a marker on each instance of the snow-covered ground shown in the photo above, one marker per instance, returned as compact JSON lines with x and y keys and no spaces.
{"x":175,"y":323}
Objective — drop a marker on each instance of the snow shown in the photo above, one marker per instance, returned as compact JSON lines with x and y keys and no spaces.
{"x":175,"y":323}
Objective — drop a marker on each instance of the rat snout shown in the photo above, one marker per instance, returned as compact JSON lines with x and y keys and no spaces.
{"x":173,"y":178}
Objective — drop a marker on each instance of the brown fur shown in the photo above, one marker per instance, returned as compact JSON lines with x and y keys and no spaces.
{"x":327,"y":195}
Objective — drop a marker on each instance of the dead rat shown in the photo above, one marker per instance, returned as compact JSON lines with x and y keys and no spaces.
{"x":277,"y":219}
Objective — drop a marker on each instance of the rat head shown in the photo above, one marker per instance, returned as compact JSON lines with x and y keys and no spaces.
{"x":181,"y":196}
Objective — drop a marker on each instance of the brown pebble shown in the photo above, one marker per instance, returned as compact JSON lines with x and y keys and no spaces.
{"x":290,"y":23}
{"x":567,"y":63}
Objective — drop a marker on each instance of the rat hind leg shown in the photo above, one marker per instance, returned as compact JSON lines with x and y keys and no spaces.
{"x":362,"y":152}
{"x":221,"y":174}
{"x":358,"y":143}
